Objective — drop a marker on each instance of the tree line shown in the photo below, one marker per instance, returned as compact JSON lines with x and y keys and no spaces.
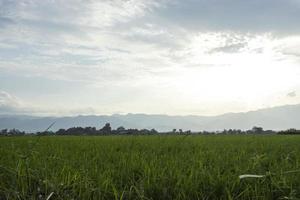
{"x":107,"y":130}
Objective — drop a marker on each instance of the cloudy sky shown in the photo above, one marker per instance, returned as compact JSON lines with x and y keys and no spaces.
{"x":177,"y":57}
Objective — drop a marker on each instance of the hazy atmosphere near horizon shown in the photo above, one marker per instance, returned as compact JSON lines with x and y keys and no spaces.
{"x":191,"y":57}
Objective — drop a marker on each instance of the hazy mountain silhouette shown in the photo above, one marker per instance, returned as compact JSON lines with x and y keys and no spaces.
{"x":276,"y":118}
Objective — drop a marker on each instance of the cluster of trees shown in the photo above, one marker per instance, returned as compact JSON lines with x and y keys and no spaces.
{"x":107,"y":130}
{"x":254,"y":130}
{"x":11,"y":132}
{"x":291,"y":131}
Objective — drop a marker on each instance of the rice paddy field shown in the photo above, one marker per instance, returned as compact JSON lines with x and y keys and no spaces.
{"x":150,"y":167}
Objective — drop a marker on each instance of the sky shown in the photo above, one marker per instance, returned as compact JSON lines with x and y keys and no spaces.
{"x":175,"y":57}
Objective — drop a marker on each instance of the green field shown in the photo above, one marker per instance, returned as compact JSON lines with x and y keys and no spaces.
{"x":150,"y":167}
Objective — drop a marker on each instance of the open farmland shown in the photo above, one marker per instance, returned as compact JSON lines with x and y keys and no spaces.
{"x":150,"y":167}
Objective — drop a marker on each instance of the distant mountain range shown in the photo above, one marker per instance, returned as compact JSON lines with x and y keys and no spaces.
{"x":276,"y":118}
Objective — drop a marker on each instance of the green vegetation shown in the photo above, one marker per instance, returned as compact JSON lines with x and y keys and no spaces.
{"x":149,"y":167}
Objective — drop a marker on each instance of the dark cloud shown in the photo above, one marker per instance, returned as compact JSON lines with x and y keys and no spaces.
{"x":5,"y":21}
{"x":236,"y":15}
{"x":292,"y":94}
{"x":291,"y":51}
{"x":119,"y":50}
{"x":232,"y":48}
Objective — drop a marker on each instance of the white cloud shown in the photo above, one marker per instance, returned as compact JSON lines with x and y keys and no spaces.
{"x":81,"y":12}
{"x":8,"y":103}
{"x":8,"y":100}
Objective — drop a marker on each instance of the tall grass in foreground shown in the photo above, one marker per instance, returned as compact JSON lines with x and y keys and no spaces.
{"x":150,"y":167}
